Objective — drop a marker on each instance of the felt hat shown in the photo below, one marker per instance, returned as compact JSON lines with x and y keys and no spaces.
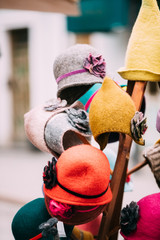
{"x":87,"y":98}
{"x":79,"y":178}
{"x":76,"y":70}
{"x":54,"y":127}
{"x":141,"y":221}
{"x":142,"y":61}
{"x":25,"y":224}
{"x":158,"y":121}
{"x":113,"y":110}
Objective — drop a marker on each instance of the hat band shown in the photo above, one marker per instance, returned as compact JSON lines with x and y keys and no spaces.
{"x":82,"y":195}
{"x":70,"y":74}
{"x":90,"y":100}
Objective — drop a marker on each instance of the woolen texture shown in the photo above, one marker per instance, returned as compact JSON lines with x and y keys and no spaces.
{"x":70,"y":60}
{"x":142,"y":61}
{"x":35,"y":122}
{"x":59,"y":133}
{"x":83,"y":169}
{"x":111,"y":110}
{"x":25,"y":224}
{"x":148,"y":225}
{"x":78,"y":217}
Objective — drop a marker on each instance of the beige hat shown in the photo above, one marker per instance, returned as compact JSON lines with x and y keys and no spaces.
{"x":54,"y":127}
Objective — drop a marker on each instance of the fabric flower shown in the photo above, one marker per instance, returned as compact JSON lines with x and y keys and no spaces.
{"x":129,"y":217}
{"x":49,"y":228}
{"x":54,"y":104}
{"x":138,"y":125}
{"x":78,"y":118}
{"x":49,"y":174}
{"x":95,"y":65}
{"x":60,"y":209}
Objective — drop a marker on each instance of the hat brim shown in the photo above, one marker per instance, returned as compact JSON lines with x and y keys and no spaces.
{"x":39,"y":117}
{"x":60,"y":195}
{"x":103,"y":139}
{"x":78,"y":217}
{"x":83,"y":80}
{"x":139,"y":75}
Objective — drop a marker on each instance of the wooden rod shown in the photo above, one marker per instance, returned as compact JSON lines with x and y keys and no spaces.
{"x":111,"y":214}
{"x":137,"y":167}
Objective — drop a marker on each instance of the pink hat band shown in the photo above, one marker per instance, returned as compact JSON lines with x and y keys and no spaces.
{"x":70,"y":74}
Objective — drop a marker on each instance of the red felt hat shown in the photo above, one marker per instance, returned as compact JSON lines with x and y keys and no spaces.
{"x":82,"y":177}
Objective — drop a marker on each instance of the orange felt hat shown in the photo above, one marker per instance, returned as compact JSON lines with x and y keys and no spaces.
{"x":80,"y":177}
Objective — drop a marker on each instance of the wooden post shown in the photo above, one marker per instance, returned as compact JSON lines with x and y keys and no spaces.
{"x":83,"y":38}
{"x":110,"y":220}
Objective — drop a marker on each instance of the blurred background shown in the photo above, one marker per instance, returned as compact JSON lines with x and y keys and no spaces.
{"x":31,"y":36}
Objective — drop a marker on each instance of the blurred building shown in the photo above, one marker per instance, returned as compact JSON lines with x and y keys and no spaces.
{"x":29,"y":43}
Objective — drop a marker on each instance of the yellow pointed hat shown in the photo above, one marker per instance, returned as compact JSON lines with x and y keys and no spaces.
{"x":113,"y":110}
{"x":142,"y":61}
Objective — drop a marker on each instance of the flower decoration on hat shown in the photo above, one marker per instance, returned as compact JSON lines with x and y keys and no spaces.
{"x":49,"y":228}
{"x":95,"y":65}
{"x":61,"y":209}
{"x":78,"y":118}
{"x":129,"y":217}
{"x":54,"y":104}
{"x":138,"y":126}
{"x":49,"y":174}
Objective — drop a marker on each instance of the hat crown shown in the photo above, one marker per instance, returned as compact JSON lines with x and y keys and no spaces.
{"x":111,"y":110}
{"x":151,"y":3}
{"x":148,"y":225}
{"x":83,"y":169}
{"x":72,"y":59}
{"x":142,"y":62}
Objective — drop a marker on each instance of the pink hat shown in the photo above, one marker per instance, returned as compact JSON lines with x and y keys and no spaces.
{"x":158,"y":121}
{"x":141,"y":220}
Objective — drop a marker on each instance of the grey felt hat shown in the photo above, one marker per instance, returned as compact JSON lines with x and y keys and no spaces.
{"x":76,"y":70}
{"x":54,"y":134}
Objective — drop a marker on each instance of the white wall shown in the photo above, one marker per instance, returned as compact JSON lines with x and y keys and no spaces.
{"x":47,"y":38}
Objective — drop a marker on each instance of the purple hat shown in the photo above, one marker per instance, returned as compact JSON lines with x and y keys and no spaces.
{"x":158,"y":121}
{"x":76,"y":70}
{"x":141,"y":220}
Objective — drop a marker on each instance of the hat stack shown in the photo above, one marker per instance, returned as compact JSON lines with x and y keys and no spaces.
{"x":80,"y":178}
{"x":54,"y":126}
{"x":79,"y":174}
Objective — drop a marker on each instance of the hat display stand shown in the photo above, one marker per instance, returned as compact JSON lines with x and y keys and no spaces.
{"x":138,"y":72}
{"x":110,"y":221}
